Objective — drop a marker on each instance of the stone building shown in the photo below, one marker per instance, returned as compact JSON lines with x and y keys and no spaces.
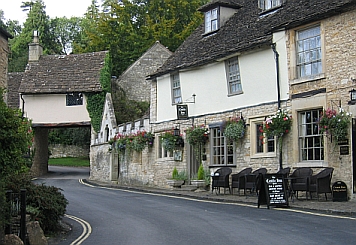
{"x":4,"y":55}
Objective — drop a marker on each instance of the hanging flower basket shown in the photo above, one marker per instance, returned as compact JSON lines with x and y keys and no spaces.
{"x":137,"y":142}
{"x":235,"y":128}
{"x":170,"y":141}
{"x":197,"y":135}
{"x":335,"y":124}
{"x":278,"y":124}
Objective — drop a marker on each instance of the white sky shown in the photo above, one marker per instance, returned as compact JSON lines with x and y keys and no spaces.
{"x":54,"y":8}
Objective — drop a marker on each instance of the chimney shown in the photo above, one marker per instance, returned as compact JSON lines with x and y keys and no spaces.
{"x":35,"y":50}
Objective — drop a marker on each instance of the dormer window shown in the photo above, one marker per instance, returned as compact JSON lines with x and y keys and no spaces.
{"x":211,"y":20}
{"x":269,"y":4}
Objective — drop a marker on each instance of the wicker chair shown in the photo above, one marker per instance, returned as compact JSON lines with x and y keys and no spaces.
{"x":248,"y":181}
{"x":235,"y":178}
{"x":221,"y":179}
{"x":300,"y":180}
{"x":320,"y":183}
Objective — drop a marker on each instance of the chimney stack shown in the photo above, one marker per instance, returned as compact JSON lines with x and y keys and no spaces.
{"x":35,"y":50}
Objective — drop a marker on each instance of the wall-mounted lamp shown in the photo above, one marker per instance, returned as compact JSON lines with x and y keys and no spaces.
{"x":352,"y":97}
{"x":176,"y":131}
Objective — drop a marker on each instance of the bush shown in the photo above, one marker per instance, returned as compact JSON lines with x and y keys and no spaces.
{"x":201,"y":172}
{"x":46,"y":203}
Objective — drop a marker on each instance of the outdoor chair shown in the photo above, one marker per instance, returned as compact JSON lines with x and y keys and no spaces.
{"x":320,"y":183}
{"x":235,"y":178}
{"x":300,"y":180}
{"x":248,"y":181}
{"x":221,"y":179}
{"x":285,"y":173}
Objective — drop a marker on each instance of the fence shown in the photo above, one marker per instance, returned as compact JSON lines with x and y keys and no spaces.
{"x":16,"y":214}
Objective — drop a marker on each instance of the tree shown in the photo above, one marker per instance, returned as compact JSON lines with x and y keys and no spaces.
{"x":36,"y":20}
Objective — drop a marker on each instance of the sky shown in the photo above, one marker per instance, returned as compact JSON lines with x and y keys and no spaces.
{"x":54,"y":8}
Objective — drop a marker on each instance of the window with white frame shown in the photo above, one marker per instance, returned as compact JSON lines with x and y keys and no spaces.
{"x":311,"y":144}
{"x":308,"y":48}
{"x":222,"y":150}
{"x":211,"y":20}
{"x":233,"y":76}
{"x":73,"y":99}
{"x":269,"y":4}
{"x":176,"y":91}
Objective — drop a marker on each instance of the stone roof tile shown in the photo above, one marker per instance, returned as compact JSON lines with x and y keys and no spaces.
{"x":64,"y":73}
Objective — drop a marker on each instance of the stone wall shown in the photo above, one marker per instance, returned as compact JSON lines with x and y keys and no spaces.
{"x":3,"y":61}
{"x":59,"y":150}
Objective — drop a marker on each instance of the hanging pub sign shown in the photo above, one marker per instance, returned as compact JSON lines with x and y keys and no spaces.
{"x":182,"y":112}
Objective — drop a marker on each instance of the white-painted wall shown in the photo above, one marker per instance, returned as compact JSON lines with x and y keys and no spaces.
{"x":209,"y":84}
{"x":51,"y":108}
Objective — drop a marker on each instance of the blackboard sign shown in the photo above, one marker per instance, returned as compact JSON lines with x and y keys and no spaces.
{"x":273,"y":191}
{"x":339,"y":191}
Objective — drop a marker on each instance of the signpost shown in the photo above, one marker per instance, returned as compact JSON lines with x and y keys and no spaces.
{"x":273,"y":191}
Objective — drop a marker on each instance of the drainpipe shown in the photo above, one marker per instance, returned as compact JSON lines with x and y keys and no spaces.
{"x":23,"y":106}
{"x":276,"y":57}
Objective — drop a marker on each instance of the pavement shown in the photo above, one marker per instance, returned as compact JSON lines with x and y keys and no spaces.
{"x":345,"y":208}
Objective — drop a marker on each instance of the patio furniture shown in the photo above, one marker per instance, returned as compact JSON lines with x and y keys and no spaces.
{"x":235,"y":178}
{"x":320,"y":183}
{"x":299,"y":180}
{"x":285,"y":173}
{"x":249,"y":180}
{"x":220,"y":179}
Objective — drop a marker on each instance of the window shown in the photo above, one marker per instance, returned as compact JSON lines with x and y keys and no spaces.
{"x":308,"y":47}
{"x":211,"y":20}
{"x":163,"y":153}
{"x":233,"y":76}
{"x":222,"y":150}
{"x":263,"y":145}
{"x":268,"y":4}
{"x":311,"y":144}
{"x":176,"y":92}
{"x":73,"y":99}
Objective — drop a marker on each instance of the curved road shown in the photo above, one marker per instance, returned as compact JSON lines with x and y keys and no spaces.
{"x":131,"y":218}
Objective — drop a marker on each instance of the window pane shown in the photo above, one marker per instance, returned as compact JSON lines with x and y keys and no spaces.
{"x":222,"y":151}
{"x":233,"y":76}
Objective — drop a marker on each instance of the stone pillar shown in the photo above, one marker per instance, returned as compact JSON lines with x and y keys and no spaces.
{"x":40,"y":144}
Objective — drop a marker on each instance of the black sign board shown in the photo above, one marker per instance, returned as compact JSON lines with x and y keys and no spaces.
{"x":343,"y":142}
{"x":344,"y":150}
{"x":339,"y":191}
{"x":273,"y":191}
{"x":182,"y":112}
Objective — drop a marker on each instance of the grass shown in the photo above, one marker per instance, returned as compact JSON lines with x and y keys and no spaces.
{"x":70,"y":161}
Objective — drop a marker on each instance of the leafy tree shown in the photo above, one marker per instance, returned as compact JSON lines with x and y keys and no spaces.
{"x":36,"y":20}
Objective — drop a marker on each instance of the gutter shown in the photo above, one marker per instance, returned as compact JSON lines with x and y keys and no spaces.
{"x":276,"y":57}
{"x":23,"y":106}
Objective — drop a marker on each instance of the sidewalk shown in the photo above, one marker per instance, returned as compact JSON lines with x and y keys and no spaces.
{"x":322,"y":206}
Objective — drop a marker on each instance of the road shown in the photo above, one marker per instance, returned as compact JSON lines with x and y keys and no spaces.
{"x":113,"y":216}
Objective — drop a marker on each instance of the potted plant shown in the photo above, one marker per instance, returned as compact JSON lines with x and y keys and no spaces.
{"x":335,"y":124}
{"x":200,"y":181}
{"x":178,"y":178}
{"x":235,"y":128}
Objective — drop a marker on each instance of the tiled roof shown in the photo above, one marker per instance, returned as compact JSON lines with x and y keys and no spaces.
{"x":247,"y":29}
{"x":63,"y":73}
{"x":5,"y":33}
{"x":13,"y":84}
{"x":224,"y":3}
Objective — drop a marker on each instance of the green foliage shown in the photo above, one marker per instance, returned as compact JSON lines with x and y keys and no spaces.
{"x":70,"y":136}
{"x":47,"y":202}
{"x":201,"y":172}
{"x":136,"y":142}
{"x":170,"y":141}
{"x":235,"y":129}
{"x":278,"y":124}
{"x":335,"y":124}
{"x":197,"y":135}
{"x":182,"y":175}
{"x":70,"y":161}
{"x":15,"y":139}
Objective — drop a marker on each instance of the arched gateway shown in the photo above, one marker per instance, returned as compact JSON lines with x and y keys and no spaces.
{"x":53,"y":94}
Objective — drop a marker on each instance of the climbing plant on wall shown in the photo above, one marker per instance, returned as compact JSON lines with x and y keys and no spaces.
{"x":95,"y":103}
